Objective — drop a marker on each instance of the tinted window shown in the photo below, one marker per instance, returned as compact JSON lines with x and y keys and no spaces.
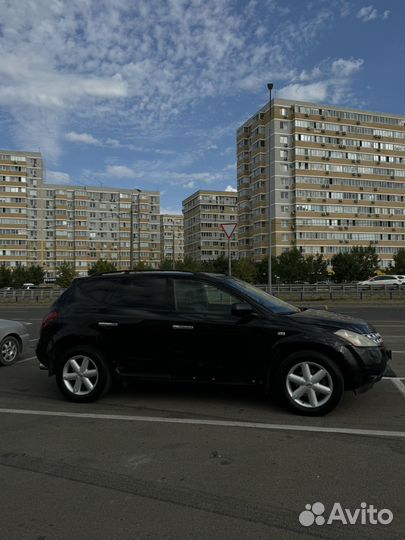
{"x":143,"y":292}
{"x":193,"y":296}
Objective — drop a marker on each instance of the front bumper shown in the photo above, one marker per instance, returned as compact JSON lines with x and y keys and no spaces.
{"x":367,"y":366}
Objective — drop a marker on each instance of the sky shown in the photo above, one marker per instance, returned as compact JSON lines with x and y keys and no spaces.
{"x":148,"y":94}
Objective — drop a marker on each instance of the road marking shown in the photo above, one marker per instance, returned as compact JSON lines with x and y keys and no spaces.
{"x":396,"y":381}
{"x":398,"y":352}
{"x":207,"y":422}
{"x":25,"y":360}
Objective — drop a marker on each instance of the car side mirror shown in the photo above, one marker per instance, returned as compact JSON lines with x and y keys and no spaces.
{"x":242,"y":309}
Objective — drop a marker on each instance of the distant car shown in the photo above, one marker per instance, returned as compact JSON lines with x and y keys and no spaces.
{"x":401,"y":278}
{"x":28,"y":286}
{"x":7,"y":288}
{"x":380,"y":281}
{"x":13,"y":341}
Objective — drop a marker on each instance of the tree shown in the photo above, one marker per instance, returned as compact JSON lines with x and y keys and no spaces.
{"x":101,"y":266}
{"x":65,"y":274}
{"x":358,"y":264}
{"x":6,"y":277}
{"x":34,"y":274}
{"x":167,"y":264}
{"x":189,"y":265}
{"x":316,"y":268}
{"x":399,"y":262}
{"x":19,"y":276}
{"x":290,"y":266}
{"x":245,"y":269}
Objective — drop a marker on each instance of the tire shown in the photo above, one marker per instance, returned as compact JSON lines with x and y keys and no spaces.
{"x":9,"y":350}
{"x":300,"y":392}
{"x":71,"y":371}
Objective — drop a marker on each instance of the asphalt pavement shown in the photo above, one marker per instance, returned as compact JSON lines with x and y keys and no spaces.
{"x":181,"y":461}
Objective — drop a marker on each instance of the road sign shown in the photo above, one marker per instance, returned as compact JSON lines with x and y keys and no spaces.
{"x":229,"y":229}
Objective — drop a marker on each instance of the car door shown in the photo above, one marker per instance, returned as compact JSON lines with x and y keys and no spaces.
{"x":135,"y":324}
{"x":208,"y":341}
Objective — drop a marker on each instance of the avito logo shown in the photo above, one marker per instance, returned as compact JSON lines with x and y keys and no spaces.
{"x":367,"y":514}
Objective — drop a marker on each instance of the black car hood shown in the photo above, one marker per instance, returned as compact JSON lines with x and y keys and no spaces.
{"x":332,"y":320}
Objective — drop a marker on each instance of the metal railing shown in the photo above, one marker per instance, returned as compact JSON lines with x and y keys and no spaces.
{"x":29,"y":295}
{"x":335,"y":291}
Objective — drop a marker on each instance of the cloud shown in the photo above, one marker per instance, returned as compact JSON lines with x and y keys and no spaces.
{"x":230,"y":188}
{"x":58,"y":177}
{"x":328,"y":81}
{"x":119,"y":171}
{"x":132,"y":66}
{"x":370,"y":13}
{"x":84,"y":138}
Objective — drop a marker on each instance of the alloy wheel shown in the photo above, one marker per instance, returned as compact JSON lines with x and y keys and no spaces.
{"x":80,"y":375}
{"x":9,"y":350}
{"x":309,"y":384}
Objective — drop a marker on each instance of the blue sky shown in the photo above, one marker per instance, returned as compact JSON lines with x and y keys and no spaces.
{"x":149,"y":93}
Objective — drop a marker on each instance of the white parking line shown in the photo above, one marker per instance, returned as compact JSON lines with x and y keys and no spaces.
{"x":396,"y":381}
{"x":26,"y":360}
{"x":206,"y":422}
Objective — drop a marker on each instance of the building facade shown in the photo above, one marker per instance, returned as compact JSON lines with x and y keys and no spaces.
{"x":171,"y":237}
{"x":337,"y":180}
{"x":204,"y":212}
{"x":48,"y":224}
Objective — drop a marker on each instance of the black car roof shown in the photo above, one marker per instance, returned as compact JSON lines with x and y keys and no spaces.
{"x":178,"y":273}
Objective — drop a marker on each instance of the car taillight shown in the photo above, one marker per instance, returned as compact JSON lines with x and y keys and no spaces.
{"x":51,"y":317}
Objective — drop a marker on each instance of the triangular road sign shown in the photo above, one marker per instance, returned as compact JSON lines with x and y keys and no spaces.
{"x":228,"y":228}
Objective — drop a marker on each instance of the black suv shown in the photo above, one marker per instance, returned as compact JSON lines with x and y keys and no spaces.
{"x":181,"y":326}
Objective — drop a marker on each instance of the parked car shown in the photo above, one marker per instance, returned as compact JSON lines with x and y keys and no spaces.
{"x":380,"y":281}
{"x":28,"y":286}
{"x":200,"y":327}
{"x":401,"y":278}
{"x":13,"y":341}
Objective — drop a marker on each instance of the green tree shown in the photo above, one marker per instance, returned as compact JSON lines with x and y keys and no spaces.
{"x":6,"y":276}
{"x":316,"y":268}
{"x":65,"y":274}
{"x":245,"y":269}
{"x":399,"y":262}
{"x":290,"y":266}
{"x":262,"y":271}
{"x":189,"y":265}
{"x":167,"y":264}
{"x":358,"y":264}
{"x":34,"y":274}
{"x":101,"y":266}
{"x":19,"y":276}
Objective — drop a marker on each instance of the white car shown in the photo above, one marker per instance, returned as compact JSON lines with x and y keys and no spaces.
{"x":14,"y":340}
{"x":380,"y":281}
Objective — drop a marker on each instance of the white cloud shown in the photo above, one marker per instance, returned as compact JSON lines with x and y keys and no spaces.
{"x":370,"y":13}
{"x":136,"y":65}
{"x":84,"y":138}
{"x":58,"y":177}
{"x":346,"y":67}
{"x":119,"y":171}
{"x":305,"y":92}
{"x":230,"y":188}
{"x":189,"y":185}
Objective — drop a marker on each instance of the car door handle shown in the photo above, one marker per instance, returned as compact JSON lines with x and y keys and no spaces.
{"x":182,"y":327}
{"x":105,"y":323}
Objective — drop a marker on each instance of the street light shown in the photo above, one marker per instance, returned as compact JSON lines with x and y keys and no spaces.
{"x":269,"y":87}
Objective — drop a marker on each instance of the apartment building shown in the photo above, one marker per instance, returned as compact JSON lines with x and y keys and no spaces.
{"x":171,"y":237}
{"x":48,"y":224}
{"x":204,"y":212}
{"x":337,"y":180}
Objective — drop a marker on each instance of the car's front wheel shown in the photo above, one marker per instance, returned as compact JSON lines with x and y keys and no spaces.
{"x":310,"y":383}
{"x":83,"y":375}
{"x":9,"y":350}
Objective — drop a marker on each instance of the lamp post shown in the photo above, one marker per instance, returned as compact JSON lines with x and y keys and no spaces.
{"x":269,"y":87}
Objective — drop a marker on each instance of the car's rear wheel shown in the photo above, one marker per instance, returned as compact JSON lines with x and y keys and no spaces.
{"x":9,"y":350}
{"x":83,"y":375}
{"x":310,"y":383}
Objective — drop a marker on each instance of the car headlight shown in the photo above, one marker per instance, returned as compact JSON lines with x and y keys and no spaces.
{"x":358,"y":340}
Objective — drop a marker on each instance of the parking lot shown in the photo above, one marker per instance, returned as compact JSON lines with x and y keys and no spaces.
{"x":182,"y":461}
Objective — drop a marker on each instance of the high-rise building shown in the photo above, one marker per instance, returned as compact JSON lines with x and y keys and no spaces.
{"x":48,"y":224}
{"x":337,"y":180}
{"x":171,"y":237}
{"x":204,"y":213}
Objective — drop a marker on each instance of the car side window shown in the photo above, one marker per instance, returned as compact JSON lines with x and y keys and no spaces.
{"x":194,"y":296}
{"x":143,"y":292}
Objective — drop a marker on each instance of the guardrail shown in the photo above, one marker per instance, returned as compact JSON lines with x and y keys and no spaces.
{"x":29,"y":295}
{"x":336,"y":291}
{"x":300,"y":292}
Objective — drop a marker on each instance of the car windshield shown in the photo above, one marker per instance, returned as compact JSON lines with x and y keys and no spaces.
{"x":263,"y":298}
